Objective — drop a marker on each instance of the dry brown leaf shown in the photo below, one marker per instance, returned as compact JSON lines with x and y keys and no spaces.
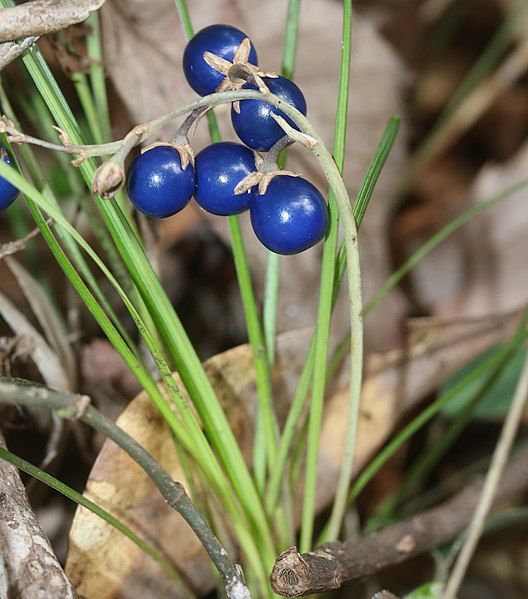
{"x":28,"y":566}
{"x":482,"y":269}
{"x":135,"y":35}
{"x":104,"y":564}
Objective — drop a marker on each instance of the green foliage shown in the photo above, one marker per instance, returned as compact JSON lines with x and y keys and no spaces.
{"x":430,"y":590}
{"x":496,"y":399}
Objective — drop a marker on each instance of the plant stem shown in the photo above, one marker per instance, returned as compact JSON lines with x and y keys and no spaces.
{"x":272,"y":277}
{"x":324,"y":317}
{"x":72,"y":406}
{"x":364,"y":195}
{"x":496,"y":469}
{"x":102,"y":513}
{"x":260,"y":360}
{"x":97,"y":75}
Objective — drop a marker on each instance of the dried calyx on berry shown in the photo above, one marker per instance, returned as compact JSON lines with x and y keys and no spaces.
{"x":221,"y":58}
{"x":254,"y":121}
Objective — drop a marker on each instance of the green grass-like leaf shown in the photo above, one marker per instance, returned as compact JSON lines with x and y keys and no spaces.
{"x":324,"y":312}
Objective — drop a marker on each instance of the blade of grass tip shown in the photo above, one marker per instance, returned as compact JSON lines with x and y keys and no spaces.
{"x":266,"y":429}
{"x":364,"y":194}
{"x":428,"y":413}
{"x":421,"y":252}
{"x":325,"y":294}
{"x":79,"y":499}
{"x":178,"y":344}
{"x":272,"y":277}
{"x":366,"y":190}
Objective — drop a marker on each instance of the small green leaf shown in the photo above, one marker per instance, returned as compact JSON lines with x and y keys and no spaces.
{"x":496,"y":398}
{"x":430,"y":590}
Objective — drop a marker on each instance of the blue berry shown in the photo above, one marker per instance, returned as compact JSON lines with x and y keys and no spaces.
{"x":219,"y":168}
{"x":254,"y":124}
{"x":290,"y":217}
{"x":156,"y":183}
{"x":222,"y":40}
{"x":8,"y":192}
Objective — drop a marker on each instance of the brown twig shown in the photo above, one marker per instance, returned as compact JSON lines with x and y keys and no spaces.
{"x":40,"y":17}
{"x":332,"y":564}
{"x":27,"y":561}
{"x":12,"y":247}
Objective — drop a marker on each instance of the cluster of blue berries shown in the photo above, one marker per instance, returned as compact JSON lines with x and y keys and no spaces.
{"x":288,"y":214}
